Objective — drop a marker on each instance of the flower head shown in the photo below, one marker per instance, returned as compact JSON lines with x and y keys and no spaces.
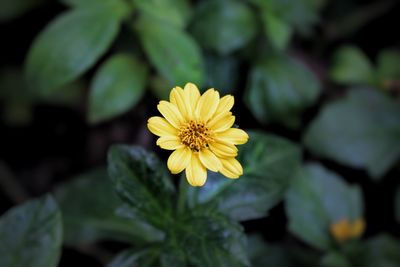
{"x":199,"y":130}
{"x":344,"y":230}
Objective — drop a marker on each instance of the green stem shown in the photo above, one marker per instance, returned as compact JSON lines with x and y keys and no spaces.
{"x":182,"y":195}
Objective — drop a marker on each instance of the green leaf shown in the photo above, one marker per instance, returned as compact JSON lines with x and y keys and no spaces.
{"x":263,"y":184}
{"x":318,"y":198}
{"x":117,"y":86}
{"x":211,"y":240}
{"x":89,"y":206}
{"x":173,"y":52}
{"x":389,"y":65}
{"x":222,"y":73}
{"x":224,"y":26}
{"x":335,"y":259}
{"x":142,"y":258}
{"x":142,"y":181}
{"x":351,"y":66}
{"x":300,"y":14}
{"x":277,"y":30}
{"x":279,"y":89}
{"x":31,"y":234}
{"x":90,"y":3}
{"x":397,"y":204}
{"x":176,"y":12}
{"x":11,"y":9}
{"x":265,"y":254}
{"x":382,"y":250}
{"x":361,"y":131}
{"x":70,"y":45}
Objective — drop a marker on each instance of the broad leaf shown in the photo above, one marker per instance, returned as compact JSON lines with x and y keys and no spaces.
{"x":279,"y":89}
{"x":269,"y":163}
{"x":176,"y":12}
{"x":89,"y":205}
{"x":117,"y":86}
{"x":397,"y":204}
{"x":70,"y":45}
{"x":31,"y":234}
{"x":90,"y":3}
{"x":351,"y":66}
{"x":361,"y":130}
{"x":224,"y":26}
{"x":382,"y":250}
{"x":389,"y":66}
{"x":263,"y":254}
{"x":222,"y":73}
{"x":277,"y":30}
{"x":142,"y":181}
{"x":300,"y":14}
{"x":211,"y":240}
{"x":335,"y":259}
{"x":172,"y":51}
{"x":318,"y":198}
{"x":143,"y":258}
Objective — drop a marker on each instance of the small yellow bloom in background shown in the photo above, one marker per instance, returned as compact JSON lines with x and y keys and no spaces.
{"x":344,"y":230}
{"x":199,"y":130}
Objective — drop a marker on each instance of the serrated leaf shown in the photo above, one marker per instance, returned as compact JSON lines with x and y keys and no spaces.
{"x":351,"y":66}
{"x":176,"y":12}
{"x":266,"y":177}
{"x":211,"y":240}
{"x":224,"y":26}
{"x":279,"y":89}
{"x":361,"y":130}
{"x":172,"y":51}
{"x":70,"y":45}
{"x":318,"y":198}
{"x":31,"y":234}
{"x":89,"y":205}
{"x":117,"y":86}
{"x":142,"y":182}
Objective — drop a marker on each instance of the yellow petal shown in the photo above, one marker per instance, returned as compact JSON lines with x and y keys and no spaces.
{"x":192,"y":94}
{"x":209,"y":160}
{"x":231,"y":168}
{"x":233,"y":135}
{"x":161,"y":127}
{"x":340,"y":230}
{"x":225,"y":104}
{"x":207,"y":105}
{"x":169,"y":142}
{"x":196,"y":173}
{"x":170,"y":113}
{"x":179,"y":160}
{"x":221,"y":123}
{"x":357,"y":228}
{"x":181,"y":100}
{"x":223,"y":149}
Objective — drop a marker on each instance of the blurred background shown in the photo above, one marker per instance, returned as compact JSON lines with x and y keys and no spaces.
{"x":79,"y":75}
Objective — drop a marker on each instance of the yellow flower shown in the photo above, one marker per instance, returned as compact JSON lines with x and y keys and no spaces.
{"x":343,"y":230}
{"x":199,"y":129}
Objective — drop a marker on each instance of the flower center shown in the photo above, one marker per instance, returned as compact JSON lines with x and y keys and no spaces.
{"x":195,"y":135}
